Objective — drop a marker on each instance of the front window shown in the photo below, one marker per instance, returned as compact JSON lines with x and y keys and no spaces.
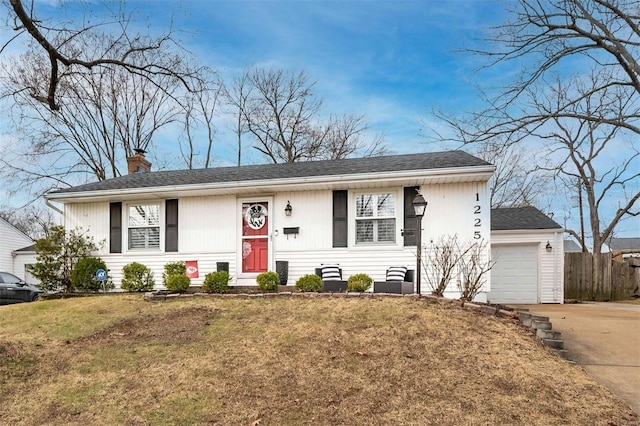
{"x":375,"y":218}
{"x":144,"y":226}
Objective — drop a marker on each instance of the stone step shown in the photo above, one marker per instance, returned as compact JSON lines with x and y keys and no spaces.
{"x":548,"y":334}
{"x":540,"y":324}
{"x":562,"y":353}
{"x":535,"y":317}
{"x":524,"y":318}
{"x":554,"y":343}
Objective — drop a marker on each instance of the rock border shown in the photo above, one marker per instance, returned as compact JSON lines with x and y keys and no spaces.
{"x":475,"y":307}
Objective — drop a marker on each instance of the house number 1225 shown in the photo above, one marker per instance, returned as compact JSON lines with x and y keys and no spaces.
{"x":477,"y":222}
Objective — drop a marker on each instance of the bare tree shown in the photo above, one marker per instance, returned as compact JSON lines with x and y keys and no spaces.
{"x":441,"y":262}
{"x":601,"y":36}
{"x":58,"y":42}
{"x":345,"y":138}
{"x":34,"y":221}
{"x":517,"y":181}
{"x":282,"y":113}
{"x":101,"y":117}
{"x":588,"y":117}
{"x":474,"y":269}
{"x":200,"y":110}
{"x":237,"y":96}
{"x":599,"y":155}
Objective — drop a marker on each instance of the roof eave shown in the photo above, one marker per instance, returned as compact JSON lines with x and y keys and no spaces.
{"x":525,"y":231}
{"x":469,"y":173}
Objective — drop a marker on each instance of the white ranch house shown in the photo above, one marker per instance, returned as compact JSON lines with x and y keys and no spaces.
{"x":356,"y":213}
{"x":12,"y":242}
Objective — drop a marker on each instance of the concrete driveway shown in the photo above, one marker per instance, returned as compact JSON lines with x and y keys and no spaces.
{"x":604,"y":338}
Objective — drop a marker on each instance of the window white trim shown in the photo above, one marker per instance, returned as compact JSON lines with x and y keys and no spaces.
{"x":149,"y":225}
{"x":375,"y":216}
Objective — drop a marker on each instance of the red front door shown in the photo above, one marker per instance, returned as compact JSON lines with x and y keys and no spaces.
{"x":255,"y":237}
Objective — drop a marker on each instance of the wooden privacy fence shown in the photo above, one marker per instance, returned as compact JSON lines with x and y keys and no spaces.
{"x":618,"y":280}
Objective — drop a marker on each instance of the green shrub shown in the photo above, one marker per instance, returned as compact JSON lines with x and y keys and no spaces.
{"x":178,"y":282}
{"x":359,"y":282}
{"x":216,"y":282}
{"x":310,"y":282}
{"x":268,"y":281}
{"x":83,"y":275}
{"x":137,"y":277}
{"x":173,"y":268}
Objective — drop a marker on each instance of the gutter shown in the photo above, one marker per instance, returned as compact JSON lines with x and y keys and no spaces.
{"x":482,"y":172}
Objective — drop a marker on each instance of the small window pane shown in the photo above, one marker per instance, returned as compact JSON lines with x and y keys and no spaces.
{"x":148,"y":215}
{"x":386,"y":205}
{"x":144,"y":238}
{"x":364,"y":205}
{"x":364,"y":231}
{"x":386,"y":230}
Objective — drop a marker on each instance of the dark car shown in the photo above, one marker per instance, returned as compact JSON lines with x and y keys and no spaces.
{"x":15,"y":290}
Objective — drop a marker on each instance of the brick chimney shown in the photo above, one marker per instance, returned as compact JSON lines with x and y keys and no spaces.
{"x":137,"y":163}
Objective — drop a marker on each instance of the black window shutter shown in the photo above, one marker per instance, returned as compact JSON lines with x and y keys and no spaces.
{"x":410,"y":224}
{"x":171,"y":226}
{"x":340,"y":225}
{"x":115,"y":228}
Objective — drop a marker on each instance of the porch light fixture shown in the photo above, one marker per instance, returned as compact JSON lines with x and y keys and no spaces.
{"x":288,"y":209}
{"x":419,"y":207}
{"x":549,"y":247}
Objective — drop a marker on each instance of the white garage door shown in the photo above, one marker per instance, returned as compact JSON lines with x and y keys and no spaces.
{"x":514,"y":278}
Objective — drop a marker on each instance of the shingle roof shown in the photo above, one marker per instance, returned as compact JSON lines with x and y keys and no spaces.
{"x":520,"y":218}
{"x":30,"y":248}
{"x":571,"y":246}
{"x":349,"y":166}
{"x":624,"y":244}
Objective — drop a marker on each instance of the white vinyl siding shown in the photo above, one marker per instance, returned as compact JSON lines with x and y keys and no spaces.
{"x":209,"y":228}
{"x":11,"y":239}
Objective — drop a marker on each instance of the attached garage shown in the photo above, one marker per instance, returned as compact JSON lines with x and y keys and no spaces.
{"x":514,"y":278}
{"x":527,"y":247}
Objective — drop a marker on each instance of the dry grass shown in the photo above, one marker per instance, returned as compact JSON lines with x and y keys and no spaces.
{"x":120,"y":360}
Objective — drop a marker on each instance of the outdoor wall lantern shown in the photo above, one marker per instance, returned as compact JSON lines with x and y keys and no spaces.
{"x":549,"y":247}
{"x":288,"y":209}
{"x":419,"y":207}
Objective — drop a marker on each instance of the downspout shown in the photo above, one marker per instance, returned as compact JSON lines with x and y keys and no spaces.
{"x":51,"y":206}
{"x":556,"y":278}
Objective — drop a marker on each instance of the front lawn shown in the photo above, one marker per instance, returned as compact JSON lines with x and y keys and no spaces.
{"x":284,"y":361}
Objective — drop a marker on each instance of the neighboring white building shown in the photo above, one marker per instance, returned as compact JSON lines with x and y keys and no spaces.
{"x":12,"y":239}
{"x":353,"y":212}
{"x":528,"y":249}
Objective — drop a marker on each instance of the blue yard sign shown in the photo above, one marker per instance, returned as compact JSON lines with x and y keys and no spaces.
{"x":101,"y":274}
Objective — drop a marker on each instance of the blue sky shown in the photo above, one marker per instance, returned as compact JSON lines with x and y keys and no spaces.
{"x":391,"y":60}
{"x":394,"y":61}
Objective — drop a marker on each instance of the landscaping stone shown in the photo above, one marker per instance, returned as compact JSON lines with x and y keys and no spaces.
{"x":548,"y":334}
{"x":562,"y":353}
{"x":488,"y":310}
{"x":525,"y":318}
{"x":540,"y":324}
{"x":554,"y":343}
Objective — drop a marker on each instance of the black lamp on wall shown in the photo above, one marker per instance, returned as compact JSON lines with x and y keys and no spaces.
{"x":288,"y":209}
{"x":549,"y":247}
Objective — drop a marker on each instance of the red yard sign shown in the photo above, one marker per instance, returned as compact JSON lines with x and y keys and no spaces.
{"x":192,"y":268}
